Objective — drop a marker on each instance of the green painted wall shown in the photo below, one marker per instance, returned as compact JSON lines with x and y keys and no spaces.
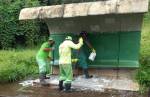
{"x":120,"y":49}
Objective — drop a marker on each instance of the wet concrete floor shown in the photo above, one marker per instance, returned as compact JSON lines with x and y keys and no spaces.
{"x":16,"y":90}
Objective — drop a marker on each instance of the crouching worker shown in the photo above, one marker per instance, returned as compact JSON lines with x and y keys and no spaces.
{"x":65,"y":63}
{"x":43,"y":59}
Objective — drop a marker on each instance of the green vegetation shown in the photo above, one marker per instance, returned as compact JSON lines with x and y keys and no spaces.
{"x":143,"y":75}
{"x":16,"y":33}
{"x":16,"y":65}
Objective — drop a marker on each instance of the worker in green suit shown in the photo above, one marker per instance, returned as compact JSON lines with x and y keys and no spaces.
{"x":43,"y":59}
{"x":65,"y":63}
{"x":80,"y":54}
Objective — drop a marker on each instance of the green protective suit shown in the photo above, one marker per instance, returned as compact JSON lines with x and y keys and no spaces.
{"x":42,"y":59}
{"x":65,"y":59}
{"x":82,"y":58}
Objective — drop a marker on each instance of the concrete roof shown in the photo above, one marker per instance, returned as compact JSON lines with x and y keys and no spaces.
{"x":85,"y":9}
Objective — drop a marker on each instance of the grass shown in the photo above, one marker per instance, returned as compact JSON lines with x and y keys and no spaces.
{"x":145,"y":40}
{"x":16,"y":65}
{"x":143,"y":75}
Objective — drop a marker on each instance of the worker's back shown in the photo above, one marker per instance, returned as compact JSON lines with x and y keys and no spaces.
{"x":65,"y":52}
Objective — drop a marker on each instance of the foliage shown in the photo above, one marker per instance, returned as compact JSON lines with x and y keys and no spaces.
{"x":11,"y":28}
{"x":143,"y":75}
{"x":15,"y":65}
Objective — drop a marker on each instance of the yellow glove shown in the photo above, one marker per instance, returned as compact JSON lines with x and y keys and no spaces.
{"x":74,"y":60}
{"x":93,"y":50}
{"x":81,"y":40}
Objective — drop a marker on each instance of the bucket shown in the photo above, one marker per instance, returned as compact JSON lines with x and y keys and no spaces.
{"x":92,"y":56}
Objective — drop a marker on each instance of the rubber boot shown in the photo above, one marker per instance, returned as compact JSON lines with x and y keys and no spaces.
{"x":42,"y":79}
{"x":68,"y":87}
{"x":61,"y":85}
{"x":86,"y":73}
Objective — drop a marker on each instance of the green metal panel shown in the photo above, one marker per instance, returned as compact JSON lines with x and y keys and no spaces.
{"x":106,"y":45}
{"x":120,"y":49}
{"x":129,"y":49}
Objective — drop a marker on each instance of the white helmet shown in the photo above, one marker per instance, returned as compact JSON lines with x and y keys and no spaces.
{"x":68,"y":38}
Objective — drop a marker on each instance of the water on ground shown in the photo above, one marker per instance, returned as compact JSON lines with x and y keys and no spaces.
{"x":83,"y":88}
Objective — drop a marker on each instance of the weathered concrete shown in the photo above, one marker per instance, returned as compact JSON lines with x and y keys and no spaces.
{"x":85,"y":9}
{"x":111,"y":73}
{"x":119,"y":79}
{"x":104,"y":23}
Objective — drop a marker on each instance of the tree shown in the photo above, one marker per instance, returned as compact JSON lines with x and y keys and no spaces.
{"x":11,"y":28}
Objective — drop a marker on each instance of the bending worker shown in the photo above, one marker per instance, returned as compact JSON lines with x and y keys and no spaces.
{"x":65,"y":64}
{"x":43,"y":59}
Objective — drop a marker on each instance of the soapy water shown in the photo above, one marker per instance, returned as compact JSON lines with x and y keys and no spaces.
{"x":79,"y":83}
{"x":94,"y":87}
{"x":93,"y":84}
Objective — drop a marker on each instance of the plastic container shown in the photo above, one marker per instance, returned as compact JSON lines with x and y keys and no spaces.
{"x":92,"y":56}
